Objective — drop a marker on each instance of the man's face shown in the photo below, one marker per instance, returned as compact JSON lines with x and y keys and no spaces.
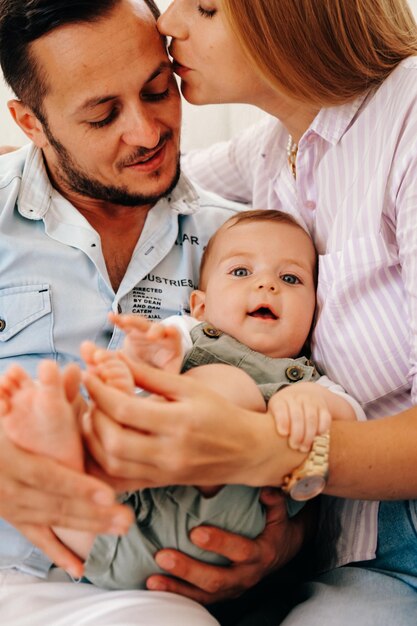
{"x":112,"y":109}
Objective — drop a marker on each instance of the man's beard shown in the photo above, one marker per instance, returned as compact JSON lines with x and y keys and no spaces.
{"x":72,"y":177}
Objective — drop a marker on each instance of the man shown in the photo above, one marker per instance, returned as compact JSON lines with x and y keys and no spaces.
{"x":94,"y":217}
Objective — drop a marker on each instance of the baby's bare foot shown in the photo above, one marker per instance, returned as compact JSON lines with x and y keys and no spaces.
{"x":15,"y":378}
{"x":108,"y":366}
{"x":40,"y":418}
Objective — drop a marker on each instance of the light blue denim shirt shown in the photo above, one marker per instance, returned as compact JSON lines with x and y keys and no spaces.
{"x":55,"y":291}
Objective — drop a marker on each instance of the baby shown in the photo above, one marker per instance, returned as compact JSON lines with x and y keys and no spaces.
{"x":251,"y":318}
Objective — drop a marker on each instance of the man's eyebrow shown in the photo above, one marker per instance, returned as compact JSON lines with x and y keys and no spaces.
{"x":95,"y":101}
{"x":91,"y":103}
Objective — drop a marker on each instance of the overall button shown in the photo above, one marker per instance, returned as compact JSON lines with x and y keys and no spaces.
{"x":2,"y":325}
{"x":310,"y":363}
{"x":211,"y":332}
{"x":294,"y":373}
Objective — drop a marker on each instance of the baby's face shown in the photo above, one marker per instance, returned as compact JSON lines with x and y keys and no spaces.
{"x":260,"y":286}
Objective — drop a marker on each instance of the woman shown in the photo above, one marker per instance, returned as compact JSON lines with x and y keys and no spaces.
{"x":338,"y":151}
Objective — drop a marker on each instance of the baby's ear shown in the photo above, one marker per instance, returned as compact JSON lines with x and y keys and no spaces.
{"x":198,"y":304}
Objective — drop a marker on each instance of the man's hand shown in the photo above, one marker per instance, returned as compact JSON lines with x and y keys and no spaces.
{"x":45,"y":539}
{"x":251,"y":559}
{"x":36,"y":492}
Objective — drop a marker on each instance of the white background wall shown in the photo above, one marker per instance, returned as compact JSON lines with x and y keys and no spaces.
{"x":202,"y":125}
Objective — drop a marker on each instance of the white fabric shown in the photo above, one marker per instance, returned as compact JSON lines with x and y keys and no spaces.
{"x":184,"y":324}
{"x":60,"y":602}
{"x":324,"y":381}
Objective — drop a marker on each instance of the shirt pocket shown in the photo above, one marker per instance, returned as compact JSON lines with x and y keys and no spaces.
{"x":341,"y":272}
{"x":25,"y":320}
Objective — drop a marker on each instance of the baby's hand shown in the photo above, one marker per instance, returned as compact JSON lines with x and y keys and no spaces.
{"x":301,"y":412}
{"x":150,"y":342}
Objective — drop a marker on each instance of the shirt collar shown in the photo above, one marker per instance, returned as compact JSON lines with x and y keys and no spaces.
{"x":36,"y":191}
{"x":184,"y":198}
{"x":331,"y":123}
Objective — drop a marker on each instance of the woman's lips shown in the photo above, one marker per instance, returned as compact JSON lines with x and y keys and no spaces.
{"x":180,"y":70}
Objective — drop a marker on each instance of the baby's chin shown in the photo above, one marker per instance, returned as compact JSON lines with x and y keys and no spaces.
{"x":262,"y":344}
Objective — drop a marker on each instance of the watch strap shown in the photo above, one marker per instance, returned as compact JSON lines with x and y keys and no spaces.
{"x":315,"y":465}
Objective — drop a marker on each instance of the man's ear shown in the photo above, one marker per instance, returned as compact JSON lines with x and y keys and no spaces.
{"x":198,"y":304}
{"x":28,"y":122}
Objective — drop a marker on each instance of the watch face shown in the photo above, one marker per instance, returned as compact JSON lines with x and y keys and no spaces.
{"x":307,"y":488}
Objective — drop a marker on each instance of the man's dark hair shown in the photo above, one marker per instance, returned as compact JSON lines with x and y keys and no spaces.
{"x":24,"y":21}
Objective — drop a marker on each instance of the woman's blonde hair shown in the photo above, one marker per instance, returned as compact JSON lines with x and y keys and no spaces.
{"x":324,"y":52}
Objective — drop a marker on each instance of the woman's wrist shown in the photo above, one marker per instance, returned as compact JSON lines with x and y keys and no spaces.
{"x":270,"y":457}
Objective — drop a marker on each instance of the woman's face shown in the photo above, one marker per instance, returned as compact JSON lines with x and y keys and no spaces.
{"x":207,"y":56}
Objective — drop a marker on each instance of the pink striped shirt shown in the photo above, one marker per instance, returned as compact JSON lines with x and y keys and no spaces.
{"x":356,"y":193}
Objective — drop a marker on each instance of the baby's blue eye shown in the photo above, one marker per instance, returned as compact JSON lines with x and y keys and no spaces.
{"x":290,"y":279}
{"x":240,"y":272}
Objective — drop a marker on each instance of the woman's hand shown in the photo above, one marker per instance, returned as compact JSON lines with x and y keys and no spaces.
{"x":191,"y":436}
{"x":251,"y":559}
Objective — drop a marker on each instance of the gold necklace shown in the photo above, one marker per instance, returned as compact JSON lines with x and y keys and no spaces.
{"x":292,"y":149}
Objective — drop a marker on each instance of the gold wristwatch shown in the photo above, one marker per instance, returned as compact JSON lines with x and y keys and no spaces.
{"x":309,"y":479}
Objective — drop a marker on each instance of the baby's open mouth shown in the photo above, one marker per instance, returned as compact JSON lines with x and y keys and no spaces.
{"x":264,"y":313}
